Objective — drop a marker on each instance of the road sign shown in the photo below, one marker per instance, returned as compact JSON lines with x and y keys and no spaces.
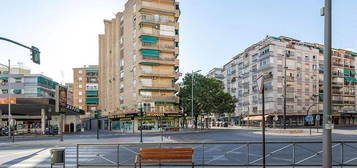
{"x":318,"y":117}
{"x":276,"y":118}
{"x":6,"y":100}
{"x":308,"y":118}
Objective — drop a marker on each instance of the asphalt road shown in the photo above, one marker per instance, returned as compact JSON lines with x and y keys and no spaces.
{"x":38,"y":156}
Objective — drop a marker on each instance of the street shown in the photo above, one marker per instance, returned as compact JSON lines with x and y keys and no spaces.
{"x":38,"y":154}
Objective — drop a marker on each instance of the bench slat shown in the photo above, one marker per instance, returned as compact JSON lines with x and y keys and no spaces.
{"x":164,"y":149}
{"x":175,"y":161}
{"x":164,"y":157}
{"x":166,"y":153}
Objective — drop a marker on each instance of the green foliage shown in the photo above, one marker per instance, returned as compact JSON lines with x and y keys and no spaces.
{"x":209,"y":96}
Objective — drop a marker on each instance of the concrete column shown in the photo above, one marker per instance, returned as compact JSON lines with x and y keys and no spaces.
{"x":135,"y":125}
{"x":75,"y":124}
{"x":1,"y":123}
{"x":43,"y":121}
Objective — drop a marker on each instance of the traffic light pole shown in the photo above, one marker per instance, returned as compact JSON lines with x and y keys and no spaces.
{"x":35,"y":52}
{"x":327,"y":118}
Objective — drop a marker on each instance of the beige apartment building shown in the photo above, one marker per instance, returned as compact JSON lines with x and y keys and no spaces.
{"x":303,"y":63}
{"x":85,"y":92}
{"x":139,"y":67}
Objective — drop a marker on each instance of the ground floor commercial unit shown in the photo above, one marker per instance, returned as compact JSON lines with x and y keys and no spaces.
{"x":132,"y":123}
{"x":35,"y":115}
{"x":299,"y":120}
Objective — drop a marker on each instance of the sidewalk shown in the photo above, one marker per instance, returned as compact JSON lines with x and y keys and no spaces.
{"x":292,"y":131}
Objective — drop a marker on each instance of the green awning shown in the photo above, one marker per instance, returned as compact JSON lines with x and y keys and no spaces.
{"x":346,"y":71}
{"x":42,"y":80}
{"x":321,"y":96}
{"x":149,"y":39}
{"x":91,"y":93}
{"x":3,"y":78}
{"x":354,"y":54}
{"x":157,"y":90}
{"x":92,"y":100}
{"x":17,"y":91}
{"x":150,"y":53}
{"x":353,"y":71}
{"x":276,"y":38}
{"x":150,"y":63}
{"x":350,"y":79}
{"x":92,"y":70}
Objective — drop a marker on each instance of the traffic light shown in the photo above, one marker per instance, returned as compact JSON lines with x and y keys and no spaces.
{"x":35,"y":53}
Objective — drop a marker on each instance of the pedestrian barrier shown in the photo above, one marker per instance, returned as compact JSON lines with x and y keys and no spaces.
{"x":223,"y":154}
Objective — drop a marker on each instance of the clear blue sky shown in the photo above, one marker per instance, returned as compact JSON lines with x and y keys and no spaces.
{"x":212,"y":31}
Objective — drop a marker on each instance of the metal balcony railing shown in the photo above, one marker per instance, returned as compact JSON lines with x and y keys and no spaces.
{"x":223,"y":154}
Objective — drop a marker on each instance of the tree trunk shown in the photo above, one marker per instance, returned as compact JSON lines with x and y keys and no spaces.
{"x":196,"y":121}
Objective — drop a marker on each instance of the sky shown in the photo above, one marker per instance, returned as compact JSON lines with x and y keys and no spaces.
{"x":211,"y":31}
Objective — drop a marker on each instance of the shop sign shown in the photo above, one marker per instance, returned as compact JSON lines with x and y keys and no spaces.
{"x":154,"y":114}
{"x":6,"y":100}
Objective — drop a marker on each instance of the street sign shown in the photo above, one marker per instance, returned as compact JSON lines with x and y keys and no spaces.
{"x":318,"y":117}
{"x":6,"y":100}
{"x":260,"y":83}
{"x":61,"y":99}
{"x":276,"y":118}
{"x":308,"y":118}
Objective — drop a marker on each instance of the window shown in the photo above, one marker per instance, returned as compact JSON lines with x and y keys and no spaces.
{"x":80,"y":107}
{"x":134,"y":83}
{"x":121,"y":74}
{"x":176,"y":44}
{"x":314,"y":57}
{"x":122,"y":63}
{"x":80,"y":71}
{"x":134,"y":8}
{"x":146,"y":82}
{"x":80,"y":93}
{"x":121,"y":85}
{"x":4,"y":91}
{"x":177,"y":32}
{"x":80,"y":78}
{"x":80,"y":100}
{"x":80,"y":86}
{"x":121,"y":41}
{"x":134,"y":57}
{"x":18,"y":80}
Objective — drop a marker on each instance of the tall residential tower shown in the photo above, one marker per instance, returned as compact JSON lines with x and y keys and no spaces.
{"x":139,"y":66}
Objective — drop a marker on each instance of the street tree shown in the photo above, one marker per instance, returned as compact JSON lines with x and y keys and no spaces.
{"x":208,"y":97}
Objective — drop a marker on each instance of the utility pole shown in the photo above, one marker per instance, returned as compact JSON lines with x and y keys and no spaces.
{"x":327,"y":117}
{"x":9,"y":101}
{"x":192,"y":80}
{"x":284,"y":116}
{"x":263,"y":122}
{"x":141,"y":123}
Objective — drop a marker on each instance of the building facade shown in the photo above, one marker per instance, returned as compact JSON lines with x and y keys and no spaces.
{"x":301,"y":64}
{"x":138,"y":65}
{"x":85,"y":92}
{"x":34,"y":107}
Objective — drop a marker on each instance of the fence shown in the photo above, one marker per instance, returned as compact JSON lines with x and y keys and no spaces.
{"x":224,"y":154}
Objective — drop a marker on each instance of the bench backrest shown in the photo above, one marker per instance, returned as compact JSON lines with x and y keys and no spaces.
{"x":166,"y":153}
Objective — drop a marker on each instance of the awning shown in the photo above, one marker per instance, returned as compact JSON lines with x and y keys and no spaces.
{"x":150,"y":53}
{"x":255,"y":118}
{"x":149,"y":39}
{"x":92,"y":70}
{"x":346,"y":71}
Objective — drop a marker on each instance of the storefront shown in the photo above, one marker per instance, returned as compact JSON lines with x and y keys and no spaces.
{"x":149,"y":122}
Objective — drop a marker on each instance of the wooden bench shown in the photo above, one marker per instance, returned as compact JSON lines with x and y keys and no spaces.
{"x":165,"y":156}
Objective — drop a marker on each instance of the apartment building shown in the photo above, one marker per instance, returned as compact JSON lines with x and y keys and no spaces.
{"x":302,"y":64}
{"x":33,"y":108}
{"x":138,"y":65}
{"x":85,"y":89}
{"x":216,"y":73}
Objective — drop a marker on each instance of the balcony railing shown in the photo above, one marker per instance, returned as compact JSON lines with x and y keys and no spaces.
{"x":173,"y":99}
{"x":161,"y":73}
{"x":158,"y":46}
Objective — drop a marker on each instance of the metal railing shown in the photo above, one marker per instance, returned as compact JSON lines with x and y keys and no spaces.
{"x":223,"y":154}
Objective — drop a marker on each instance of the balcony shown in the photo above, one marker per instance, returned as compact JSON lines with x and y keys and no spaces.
{"x":156,"y":32}
{"x":161,"y":87}
{"x":161,"y":47}
{"x":265,"y":67}
{"x":149,"y":19}
{"x":171,"y":74}
{"x":290,"y":79}
{"x":167,"y":9}
{"x":161,"y":60}
{"x":337,"y":64}
{"x":160,"y":99}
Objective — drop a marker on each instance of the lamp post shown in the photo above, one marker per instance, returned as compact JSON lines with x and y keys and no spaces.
{"x":192,"y":80}
{"x":327,"y":117}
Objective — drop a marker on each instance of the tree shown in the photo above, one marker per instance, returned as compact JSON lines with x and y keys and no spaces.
{"x":208,"y":97}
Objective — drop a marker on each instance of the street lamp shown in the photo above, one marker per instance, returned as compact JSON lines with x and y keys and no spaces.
{"x":192,"y":79}
{"x":9,"y":96}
